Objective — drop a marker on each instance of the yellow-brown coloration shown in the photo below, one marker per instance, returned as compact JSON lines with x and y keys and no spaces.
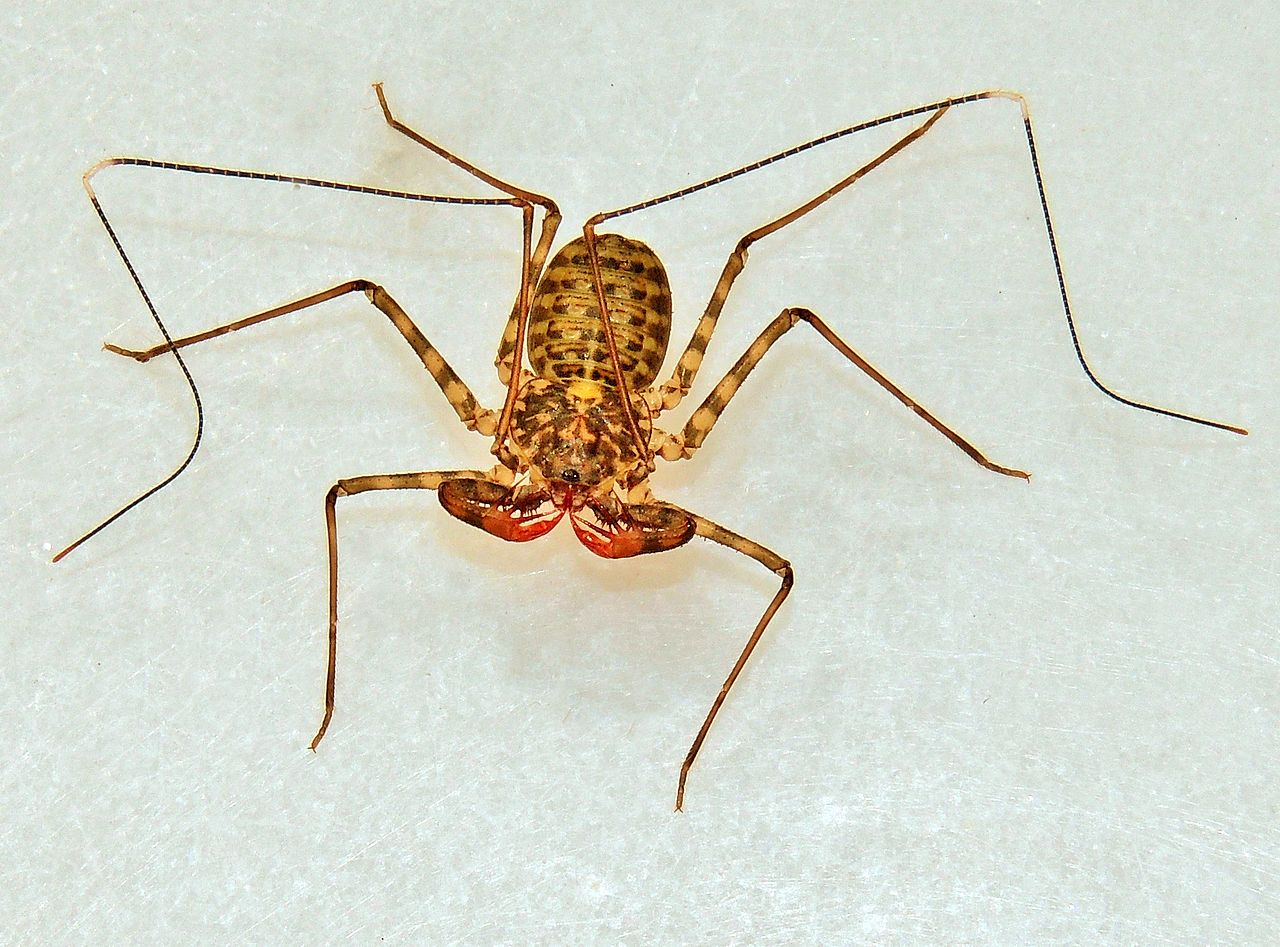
{"x":577,"y":438}
{"x":574,"y":434}
{"x":566,"y":336}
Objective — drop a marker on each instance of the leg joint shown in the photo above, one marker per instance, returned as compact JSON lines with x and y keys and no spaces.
{"x":797,"y":314}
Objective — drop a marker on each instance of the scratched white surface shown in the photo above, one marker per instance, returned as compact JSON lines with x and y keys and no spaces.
{"x":991,"y":713}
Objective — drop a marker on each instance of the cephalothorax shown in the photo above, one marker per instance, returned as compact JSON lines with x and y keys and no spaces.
{"x":578,"y":434}
{"x":568,"y":448}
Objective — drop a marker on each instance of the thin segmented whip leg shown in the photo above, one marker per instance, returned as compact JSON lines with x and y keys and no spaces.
{"x":775,"y":564}
{"x":705,"y":416}
{"x":674,"y":390}
{"x":155,"y":315}
{"x":350,"y":487}
{"x":670,"y":394}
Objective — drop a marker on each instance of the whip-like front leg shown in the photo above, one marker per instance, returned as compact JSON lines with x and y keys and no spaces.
{"x":672,"y":392}
{"x":200,"y":169}
{"x":669,"y":394}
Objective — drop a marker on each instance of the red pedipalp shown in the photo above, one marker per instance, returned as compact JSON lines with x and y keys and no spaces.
{"x":499,"y":510}
{"x":631,"y":530}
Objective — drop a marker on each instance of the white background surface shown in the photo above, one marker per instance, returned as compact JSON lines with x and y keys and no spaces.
{"x":991,"y":712}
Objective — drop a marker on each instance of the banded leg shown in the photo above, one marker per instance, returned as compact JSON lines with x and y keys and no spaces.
{"x":775,"y":564}
{"x":672,"y":392}
{"x":704,"y":418}
{"x":509,"y":347}
{"x":349,"y":487}
{"x":454,"y":388}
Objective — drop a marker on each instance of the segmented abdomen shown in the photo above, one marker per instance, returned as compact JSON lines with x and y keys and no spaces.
{"x":566,"y":337}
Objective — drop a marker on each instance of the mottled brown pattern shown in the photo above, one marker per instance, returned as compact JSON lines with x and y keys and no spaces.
{"x":566,"y":336}
{"x":568,"y":445}
{"x":575,"y":432}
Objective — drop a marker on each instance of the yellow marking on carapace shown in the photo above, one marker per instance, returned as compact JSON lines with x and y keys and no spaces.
{"x":588,"y":392}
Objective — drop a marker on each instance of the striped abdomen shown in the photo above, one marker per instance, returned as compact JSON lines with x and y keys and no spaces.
{"x":566,"y":336}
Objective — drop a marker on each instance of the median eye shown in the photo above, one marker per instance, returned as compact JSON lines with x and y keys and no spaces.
{"x":570,"y":475}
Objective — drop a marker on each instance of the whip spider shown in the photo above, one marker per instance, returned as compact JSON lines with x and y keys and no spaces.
{"x":577,"y":434}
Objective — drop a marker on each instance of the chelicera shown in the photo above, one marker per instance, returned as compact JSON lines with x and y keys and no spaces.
{"x":578,"y":434}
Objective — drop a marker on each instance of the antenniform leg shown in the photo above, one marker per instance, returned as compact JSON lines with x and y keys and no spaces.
{"x":704,"y":418}
{"x":673,"y":391}
{"x":455,"y":389}
{"x":344,"y":488}
{"x":669,"y":394}
{"x":155,"y":315}
{"x":775,"y":564}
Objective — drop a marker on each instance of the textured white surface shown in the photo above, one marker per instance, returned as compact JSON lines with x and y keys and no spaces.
{"x":991,"y":712}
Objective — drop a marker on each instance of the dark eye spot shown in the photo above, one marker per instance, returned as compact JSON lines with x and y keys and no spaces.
{"x":570,"y":475}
